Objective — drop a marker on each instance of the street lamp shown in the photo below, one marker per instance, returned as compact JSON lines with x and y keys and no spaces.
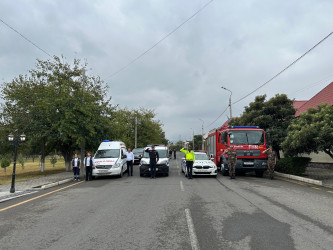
{"x":229,"y":100}
{"x":202,"y":133}
{"x":15,"y":139}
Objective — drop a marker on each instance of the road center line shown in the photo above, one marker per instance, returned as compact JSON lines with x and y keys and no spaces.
{"x":330,"y":192}
{"x":40,"y":196}
{"x":182,"y":186}
{"x":191,"y":230}
{"x":316,"y":188}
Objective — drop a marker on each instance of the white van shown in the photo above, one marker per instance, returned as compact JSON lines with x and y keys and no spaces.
{"x":110,"y":159}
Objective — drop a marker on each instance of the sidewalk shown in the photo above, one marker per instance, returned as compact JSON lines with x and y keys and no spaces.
{"x":313,"y":175}
{"x":33,"y":185}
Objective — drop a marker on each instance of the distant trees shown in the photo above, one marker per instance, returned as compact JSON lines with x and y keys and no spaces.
{"x":274,"y":116}
{"x":59,"y":107}
{"x":312,"y":131}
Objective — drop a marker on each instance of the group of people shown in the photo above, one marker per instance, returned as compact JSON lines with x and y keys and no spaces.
{"x":154,"y":158}
{"x":232,"y":161}
{"x":89,"y":164}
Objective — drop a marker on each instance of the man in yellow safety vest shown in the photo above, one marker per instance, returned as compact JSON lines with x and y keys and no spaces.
{"x":190,"y":159}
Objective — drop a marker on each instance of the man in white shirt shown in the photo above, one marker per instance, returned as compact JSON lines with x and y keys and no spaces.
{"x":76,"y":165}
{"x":130,"y":161}
{"x":89,"y":164}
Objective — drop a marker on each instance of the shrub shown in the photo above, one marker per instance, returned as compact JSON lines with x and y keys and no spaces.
{"x":5,"y":162}
{"x":292,"y":165}
{"x":53,"y":160}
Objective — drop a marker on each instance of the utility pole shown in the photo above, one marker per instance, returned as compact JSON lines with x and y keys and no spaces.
{"x":229,"y":100}
{"x":136,"y":131}
{"x":202,"y":133}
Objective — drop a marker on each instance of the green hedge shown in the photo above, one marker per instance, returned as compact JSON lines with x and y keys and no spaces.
{"x":292,"y":165}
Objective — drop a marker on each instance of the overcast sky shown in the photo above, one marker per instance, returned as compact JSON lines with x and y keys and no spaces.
{"x":235,"y":44}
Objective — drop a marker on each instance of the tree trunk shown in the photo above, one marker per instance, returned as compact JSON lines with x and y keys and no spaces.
{"x":42,"y":159}
{"x":68,"y":154}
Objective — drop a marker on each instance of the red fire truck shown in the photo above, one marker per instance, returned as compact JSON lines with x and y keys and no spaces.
{"x":249,"y":143}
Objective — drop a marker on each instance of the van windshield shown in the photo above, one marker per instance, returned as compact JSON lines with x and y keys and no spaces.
{"x":162,"y":153}
{"x":107,"y":153}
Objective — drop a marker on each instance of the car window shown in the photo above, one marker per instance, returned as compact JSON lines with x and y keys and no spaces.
{"x":201,"y":157}
{"x":161,"y":152}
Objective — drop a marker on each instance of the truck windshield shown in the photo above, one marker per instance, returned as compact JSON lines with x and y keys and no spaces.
{"x":247,"y":137}
{"x":107,"y":153}
{"x":161,"y":153}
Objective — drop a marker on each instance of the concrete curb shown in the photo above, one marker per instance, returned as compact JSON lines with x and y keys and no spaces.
{"x":49,"y":185}
{"x":299,"y":178}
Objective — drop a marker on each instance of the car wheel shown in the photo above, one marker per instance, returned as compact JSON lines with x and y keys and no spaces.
{"x":166,"y":174}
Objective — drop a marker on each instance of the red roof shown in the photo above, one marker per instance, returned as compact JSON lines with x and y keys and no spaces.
{"x":324,"y":96}
{"x":298,"y":104}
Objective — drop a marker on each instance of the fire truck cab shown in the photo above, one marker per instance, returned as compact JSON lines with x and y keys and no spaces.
{"x":249,"y":143}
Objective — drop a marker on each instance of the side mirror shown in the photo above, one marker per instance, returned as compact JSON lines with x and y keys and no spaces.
{"x":140,"y":156}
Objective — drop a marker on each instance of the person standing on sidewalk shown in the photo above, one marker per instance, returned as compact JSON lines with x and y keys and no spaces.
{"x":232,"y":161}
{"x":174,"y":154}
{"x":190,"y":159}
{"x":88,"y":164}
{"x":129,"y":161}
{"x":271,"y":161}
{"x":153,"y":159}
{"x":76,"y":166}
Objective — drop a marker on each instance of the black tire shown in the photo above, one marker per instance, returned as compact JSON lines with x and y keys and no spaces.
{"x":121,"y":173}
{"x":93,"y":177}
{"x":141,"y":175}
{"x":259,"y":174}
{"x":166,"y":174}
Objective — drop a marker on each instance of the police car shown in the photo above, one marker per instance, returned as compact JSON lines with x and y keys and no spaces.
{"x":162,"y":166}
{"x":202,"y":165}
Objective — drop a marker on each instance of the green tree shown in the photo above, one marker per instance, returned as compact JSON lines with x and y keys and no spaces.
{"x":58,"y":106}
{"x":198,"y":142}
{"x":53,"y":160}
{"x":5,"y":162}
{"x":149,"y":130}
{"x":312,"y":131}
{"x":274,"y":116}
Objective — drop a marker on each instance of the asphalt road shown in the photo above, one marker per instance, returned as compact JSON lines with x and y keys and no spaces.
{"x":171,"y":213}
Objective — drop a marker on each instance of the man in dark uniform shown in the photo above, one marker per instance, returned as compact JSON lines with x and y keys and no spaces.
{"x":232,"y":161}
{"x":88,"y":164}
{"x":174,"y":153}
{"x":271,"y":161}
{"x":153,"y":159}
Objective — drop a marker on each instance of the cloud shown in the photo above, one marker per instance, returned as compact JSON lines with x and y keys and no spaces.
{"x":237,"y":44}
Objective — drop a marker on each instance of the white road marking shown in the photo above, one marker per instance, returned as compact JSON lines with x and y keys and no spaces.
{"x":182,"y":186}
{"x":191,"y":230}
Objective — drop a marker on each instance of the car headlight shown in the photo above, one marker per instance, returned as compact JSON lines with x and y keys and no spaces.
{"x":117,"y":165}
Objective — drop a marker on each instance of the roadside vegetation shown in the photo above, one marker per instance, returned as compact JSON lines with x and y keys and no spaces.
{"x":31,"y":170}
{"x":62,"y":108}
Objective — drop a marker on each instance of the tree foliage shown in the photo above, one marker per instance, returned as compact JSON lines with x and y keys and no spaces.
{"x":312,"y":131}
{"x":274,"y":116}
{"x":59,"y":103}
{"x":149,"y":130}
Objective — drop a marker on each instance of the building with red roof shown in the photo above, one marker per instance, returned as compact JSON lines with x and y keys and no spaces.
{"x":324,"y":96}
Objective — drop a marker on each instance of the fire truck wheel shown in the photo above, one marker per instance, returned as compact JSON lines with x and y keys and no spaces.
{"x":225,"y":172}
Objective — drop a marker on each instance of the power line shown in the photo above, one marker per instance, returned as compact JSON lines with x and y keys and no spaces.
{"x":25,"y":38}
{"x":158,"y":42}
{"x":217,"y":117}
{"x":282,"y":71}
